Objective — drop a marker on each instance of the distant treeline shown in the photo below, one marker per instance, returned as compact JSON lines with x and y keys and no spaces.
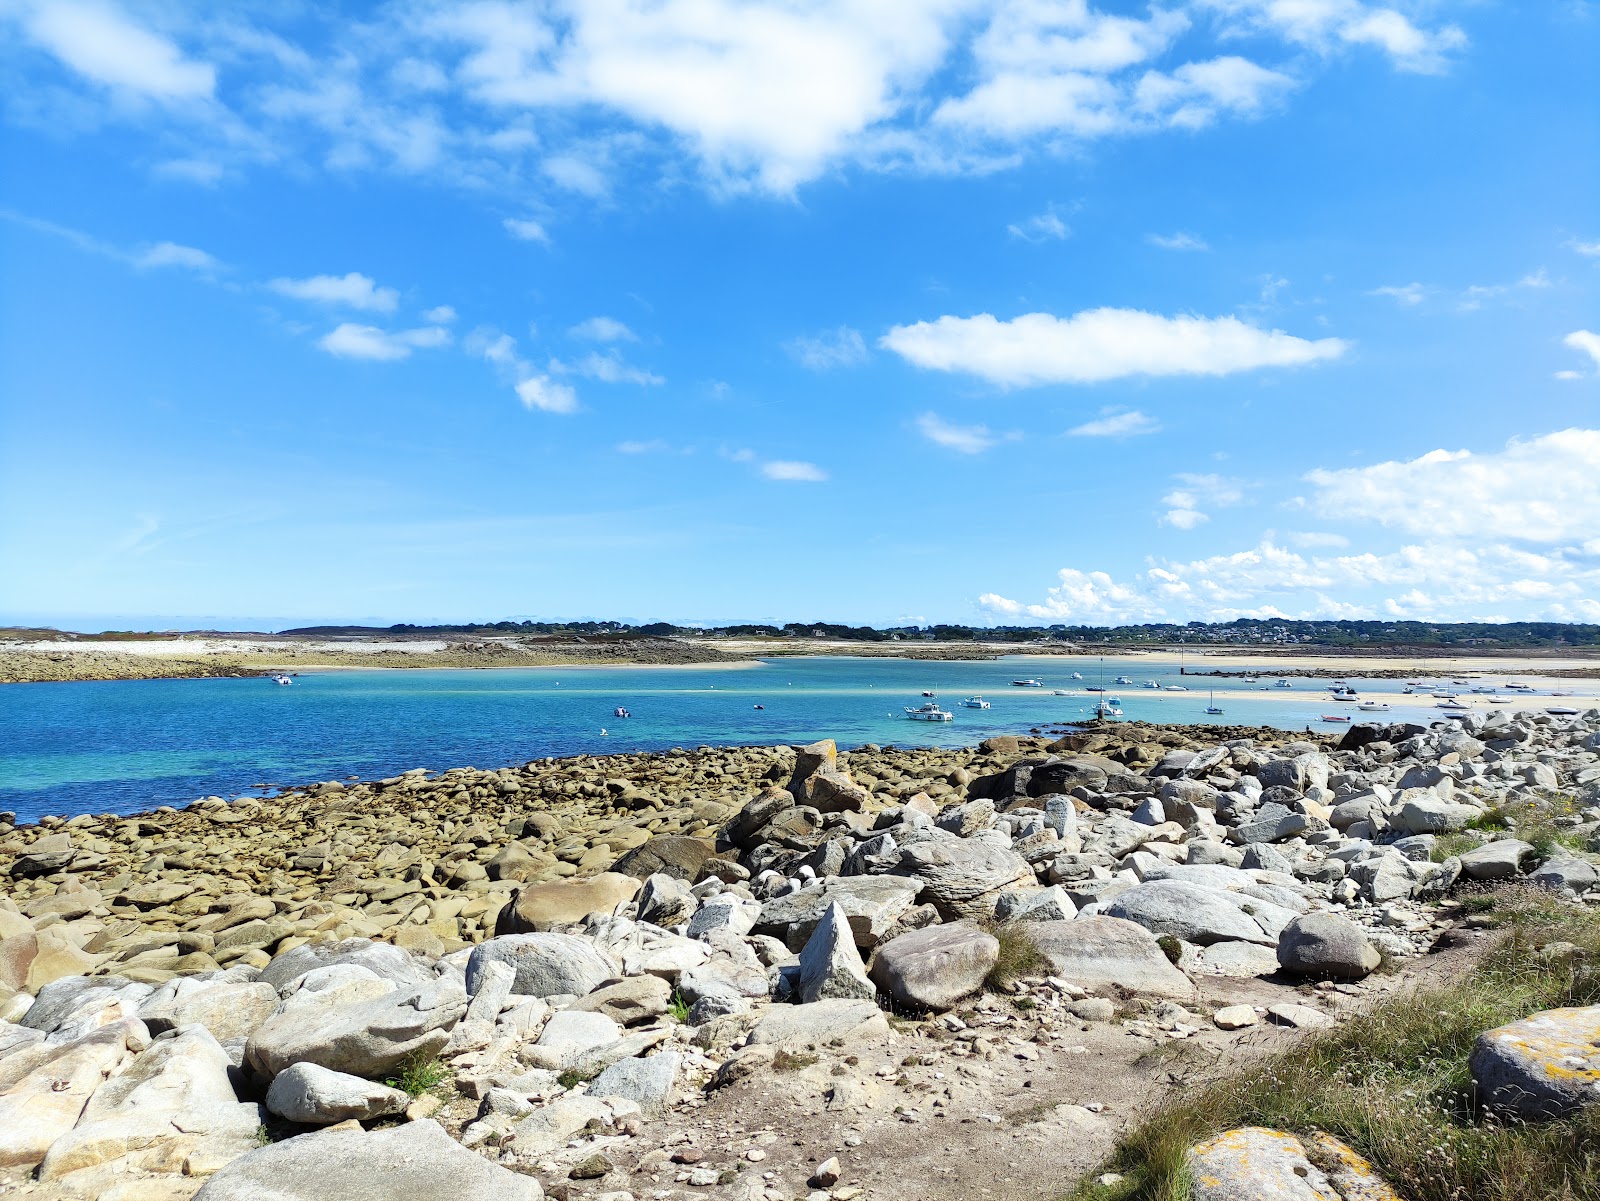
{"x":1236,"y":633}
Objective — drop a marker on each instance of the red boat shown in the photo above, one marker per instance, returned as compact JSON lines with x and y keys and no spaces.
{"x":1334,"y":717}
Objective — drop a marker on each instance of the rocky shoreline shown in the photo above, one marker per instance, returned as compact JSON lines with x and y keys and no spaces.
{"x":584,"y":976}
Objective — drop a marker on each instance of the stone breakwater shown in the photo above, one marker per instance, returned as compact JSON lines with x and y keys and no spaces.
{"x":568,"y":961}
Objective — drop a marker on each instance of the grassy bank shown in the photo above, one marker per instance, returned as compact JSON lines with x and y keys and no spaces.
{"x":1394,"y":1082}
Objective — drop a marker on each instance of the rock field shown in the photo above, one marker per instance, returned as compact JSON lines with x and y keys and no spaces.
{"x":758,"y":973}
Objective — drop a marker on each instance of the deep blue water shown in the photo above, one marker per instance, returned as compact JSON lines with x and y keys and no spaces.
{"x":126,"y":746}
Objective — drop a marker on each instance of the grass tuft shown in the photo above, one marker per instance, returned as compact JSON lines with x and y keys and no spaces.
{"x":792,"y":1061}
{"x":1019,"y":955}
{"x":419,"y":1074}
{"x":1394,"y":1083}
{"x":678,"y":1008}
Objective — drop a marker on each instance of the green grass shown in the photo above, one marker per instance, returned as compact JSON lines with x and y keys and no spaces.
{"x":419,"y":1074}
{"x":1394,"y":1083}
{"x":1447,"y":845}
{"x":792,"y":1061}
{"x":1536,"y":822}
{"x":1019,"y":955}
{"x":678,"y":1008}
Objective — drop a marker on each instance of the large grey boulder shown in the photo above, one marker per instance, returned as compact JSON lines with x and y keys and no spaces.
{"x":547,"y":964}
{"x":229,"y":1009}
{"x":1325,"y":944}
{"x":315,"y":1096}
{"x":1546,"y":1066}
{"x":666,"y":900}
{"x":962,"y":877}
{"x":830,"y":965}
{"x":1498,"y":860}
{"x":363,"y":1038}
{"x":647,"y":1082}
{"x":44,"y":1095}
{"x":819,"y":1023}
{"x":1270,"y":823}
{"x":80,"y":1003}
{"x":1253,"y":1163}
{"x":872,"y":904}
{"x":417,"y":1161}
{"x":1191,"y":912}
{"x":383,"y":960}
{"x":1035,"y":905}
{"x":1108,"y":954}
{"x":1568,"y":874}
{"x":572,"y":1033}
{"x":1428,"y":814}
{"x":933,"y":968}
{"x":726,"y":912}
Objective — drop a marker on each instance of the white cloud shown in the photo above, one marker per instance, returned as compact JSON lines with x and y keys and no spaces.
{"x":1410,"y":295}
{"x":1179,"y":241}
{"x":534,"y":389}
{"x":1099,"y":344}
{"x":441,"y":315}
{"x":654,"y":446}
{"x":1316,"y":539}
{"x":1117,"y":425}
{"x":1196,"y":94}
{"x":542,"y":392}
{"x":603,"y":329}
{"x":1043,"y":227}
{"x":1585,"y":342}
{"x":842,"y":347}
{"x":1326,"y":24}
{"x":607,"y":368}
{"x":1194,"y":490}
{"x":354,"y":291}
{"x":1588,"y":249}
{"x":793,"y":471}
{"x":353,"y":341}
{"x":191,"y":170}
{"x":966,"y":439}
{"x":525,"y":230}
{"x":101,"y":43}
{"x":170,"y":254}
{"x":1544,"y":489}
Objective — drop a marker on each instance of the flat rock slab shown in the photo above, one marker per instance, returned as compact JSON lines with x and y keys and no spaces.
{"x":935,"y":967}
{"x":819,"y":1023}
{"x":546,"y":964}
{"x":1545,"y":1066}
{"x":418,"y":1161}
{"x":872,"y":903}
{"x":1106,"y":954}
{"x":1191,"y":912}
{"x":1253,"y":1163}
{"x":648,"y":1082}
{"x":316,"y":1096}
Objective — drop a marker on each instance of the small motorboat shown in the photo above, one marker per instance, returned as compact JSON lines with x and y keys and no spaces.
{"x":619,"y":711}
{"x":1499,"y":700}
{"x":1104,"y":710}
{"x":1151,"y":684}
{"x":1561,"y":711}
{"x":1282,"y":684}
{"x":1452,"y":704}
{"x":1175,"y":688}
{"x":1515,"y":687}
{"x":1059,"y":692}
{"x":929,"y":712}
{"x":975,"y":702}
{"x":1094,"y":688}
{"x":1077,"y":675}
{"x":929,"y":694}
{"x":1335,"y":717}
{"x":1345,"y":693}
{"x":285,"y":680}
{"x":1373,"y":707}
{"x":760,"y":706}
{"x":1029,"y":683}
{"x":1122,"y":680}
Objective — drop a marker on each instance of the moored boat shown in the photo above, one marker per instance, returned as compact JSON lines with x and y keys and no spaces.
{"x":929,"y":711}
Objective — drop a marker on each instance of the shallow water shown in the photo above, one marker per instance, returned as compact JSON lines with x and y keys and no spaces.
{"x":125,"y":746}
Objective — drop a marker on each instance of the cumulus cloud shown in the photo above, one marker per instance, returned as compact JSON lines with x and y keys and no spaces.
{"x":1585,"y":342}
{"x":1326,"y":25}
{"x":352,"y":291}
{"x":603,"y":329}
{"x":541,"y":392}
{"x":353,"y":341}
{"x":1099,"y":344}
{"x":965,"y":439}
{"x":526,"y":230}
{"x":1410,"y":295}
{"x":1117,"y":425}
{"x":1178,"y":241}
{"x":439,"y":315}
{"x":842,"y":347}
{"x":103,"y":44}
{"x":1587,"y":249}
{"x":1041,"y":227}
{"x":534,"y":388}
{"x":1194,"y":490}
{"x":793,"y":471}
{"x":1544,"y":489}
{"x":170,"y":254}
{"x":608,"y":368}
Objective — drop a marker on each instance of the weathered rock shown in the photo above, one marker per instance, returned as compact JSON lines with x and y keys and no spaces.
{"x":1253,"y":1163}
{"x":724,"y":913}
{"x":1427,"y":814}
{"x":819,"y":1023}
{"x":1107,"y":953}
{"x":229,"y":1009}
{"x":647,"y":1082}
{"x":628,"y":1002}
{"x":1546,"y":1066}
{"x":675,"y":855}
{"x":363,"y":1038}
{"x":417,"y":1161}
{"x":1565,"y":874}
{"x":539,"y":907}
{"x":1325,"y":944}
{"x":316,"y":1096}
{"x":935,"y":967}
{"x":387,"y":962}
{"x":962,"y":877}
{"x":44,"y":856}
{"x":571,"y":1034}
{"x":1498,"y":860}
{"x":666,"y":900}
{"x":872,"y":903}
{"x":547,"y":964}
{"x":830,"y":965}
{"x":47,"y":1101}
{"x":1035,"y":905}
{"x":1191,"y":912}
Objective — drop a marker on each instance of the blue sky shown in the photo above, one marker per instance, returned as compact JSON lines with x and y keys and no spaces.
{"x":873,"y":311}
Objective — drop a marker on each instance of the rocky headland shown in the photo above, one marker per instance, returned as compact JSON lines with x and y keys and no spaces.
{"x":761,"y":972}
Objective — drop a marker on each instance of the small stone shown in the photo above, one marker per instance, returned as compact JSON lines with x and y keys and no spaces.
{"x":591,"y":1167}
{"x":1235,"y":1017}
{"x":755,"y":1155}
{"x":827,"y":1173}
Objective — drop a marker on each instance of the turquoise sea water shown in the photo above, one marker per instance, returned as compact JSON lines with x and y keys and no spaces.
{"x":126,"y":746}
